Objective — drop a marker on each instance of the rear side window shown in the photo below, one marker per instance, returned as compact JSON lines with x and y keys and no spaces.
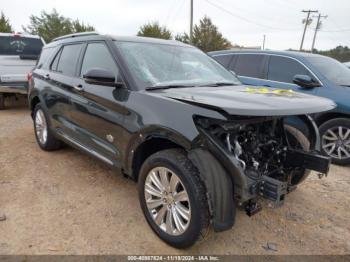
{"x":18,"y":45}
{"x":223,"y":59}
{"x":250,"y":65}
{"x":98,"y":56}
{"x":66,"y":60}
{"x":283,"y":69}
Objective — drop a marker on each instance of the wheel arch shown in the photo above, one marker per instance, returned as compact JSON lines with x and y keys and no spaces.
{"x":146,"y":143}
{"x":321,"y":119}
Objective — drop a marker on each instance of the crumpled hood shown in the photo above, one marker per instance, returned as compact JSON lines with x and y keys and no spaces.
{"x":250,"y":101}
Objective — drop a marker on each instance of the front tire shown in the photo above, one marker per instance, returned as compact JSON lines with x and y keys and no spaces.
{"x":335,"y":139}
{"x":173,"y":198}
{"x":298,"y":140}
{"x":43,"y":134}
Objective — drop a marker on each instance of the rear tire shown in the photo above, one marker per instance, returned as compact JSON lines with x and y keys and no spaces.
{"x":2,"y":101}
{"x":192,"y":209}
{"x":43,"y":134}
{"x":335,"y":140}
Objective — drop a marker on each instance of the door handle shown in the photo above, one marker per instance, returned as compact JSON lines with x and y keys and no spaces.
{"x":79,"y":88}
{"x":267,"y":85}
{"x":47,"y":77}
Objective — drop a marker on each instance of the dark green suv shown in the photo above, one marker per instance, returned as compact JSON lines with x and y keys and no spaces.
{"x":166,"y":115}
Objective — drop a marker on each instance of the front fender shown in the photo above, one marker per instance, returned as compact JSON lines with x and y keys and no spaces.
{"x":219,"y":188}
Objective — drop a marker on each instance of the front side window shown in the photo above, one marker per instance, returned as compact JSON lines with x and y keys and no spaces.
{"x":154,"y":64}
{"x":67,"y":59}
{"x":250,"y":65}
{"x":98,"y":56}
{"x":333,"y":70}
{"x":283,"y":69}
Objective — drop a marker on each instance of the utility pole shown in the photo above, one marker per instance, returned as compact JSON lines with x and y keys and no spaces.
{"x":191,"y":22}
{"x":318,"y":26}
{"x":307,"y":21}
{"x":263,"y":45}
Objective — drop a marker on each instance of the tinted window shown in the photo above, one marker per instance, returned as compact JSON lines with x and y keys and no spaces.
{"x":68,"y":59}
{"x":98,"y":56}
{"x":283,"y":69}
{"x":249,"y":65}
{"x":336,"y":72}
{"x":223,"y":59}
{"x":18,"y":45}
{"x":44,"y":57}
{"x":55,"y":61}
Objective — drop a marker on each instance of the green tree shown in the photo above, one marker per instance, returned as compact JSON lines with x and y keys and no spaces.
{"x":341,"y":53}
{"x":52,"y":25}
{"x":154,"y":30}
{"x":5,"y":26}
{"x":81,"y":27}
{"x":206,"y":37}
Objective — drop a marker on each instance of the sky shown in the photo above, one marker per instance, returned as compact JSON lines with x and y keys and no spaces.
{"x":242,"y":22}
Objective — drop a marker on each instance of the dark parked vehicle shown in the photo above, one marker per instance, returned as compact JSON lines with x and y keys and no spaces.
{"x":307,"y":73}
{"x":18,"y":55}
{"x":166,"y":115}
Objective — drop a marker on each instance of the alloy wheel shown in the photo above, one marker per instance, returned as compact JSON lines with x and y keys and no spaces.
{"x":336,"y":142}
{"x":41,"y":126}
{"x":167,"y":201}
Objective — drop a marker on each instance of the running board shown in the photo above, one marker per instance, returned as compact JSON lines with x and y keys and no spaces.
{"x":84,"y":148}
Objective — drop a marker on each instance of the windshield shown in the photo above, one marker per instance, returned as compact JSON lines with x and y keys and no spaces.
{"x":333,"y":70}
{"x":169,"y":65}
{"x":18,"y":45}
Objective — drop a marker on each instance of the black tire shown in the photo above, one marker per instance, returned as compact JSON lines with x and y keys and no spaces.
{"x":2,"y":101}
{"x":333,"y":125}
{"x":51,"y":143}
{"x":177,"y":161}
{"x":298,"y":140}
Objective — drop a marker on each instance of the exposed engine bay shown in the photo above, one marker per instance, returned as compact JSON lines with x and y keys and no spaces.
{"x":273,"y":156}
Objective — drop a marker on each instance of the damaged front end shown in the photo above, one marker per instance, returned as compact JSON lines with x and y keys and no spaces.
{"x":264,"y":156}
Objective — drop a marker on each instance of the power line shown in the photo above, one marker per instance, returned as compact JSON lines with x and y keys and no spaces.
{"x":248,"y":20}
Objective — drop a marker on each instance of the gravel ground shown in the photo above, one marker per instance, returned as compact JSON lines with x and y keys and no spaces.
{"x":66,"y":202}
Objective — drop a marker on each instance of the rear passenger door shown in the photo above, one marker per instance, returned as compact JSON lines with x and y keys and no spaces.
{"x":281,"y":71}
{"x":249,"y":68}
{"x":98,"y":110}
{"x":58,"y":85}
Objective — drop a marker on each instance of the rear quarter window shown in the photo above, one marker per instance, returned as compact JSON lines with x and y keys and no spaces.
{"x":18,"y":45}
{"x":44,"y":58}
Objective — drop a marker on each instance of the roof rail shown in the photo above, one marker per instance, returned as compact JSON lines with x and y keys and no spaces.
{"x":75,"y":35}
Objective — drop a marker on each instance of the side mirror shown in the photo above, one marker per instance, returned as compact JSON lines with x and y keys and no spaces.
{"x":305,"y":81}
{"x":100,"y":76}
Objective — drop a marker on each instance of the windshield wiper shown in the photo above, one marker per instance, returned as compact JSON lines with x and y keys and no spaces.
{"x":166,"y":87}
{"x":220,"y":84}
{"x":345,"y":85}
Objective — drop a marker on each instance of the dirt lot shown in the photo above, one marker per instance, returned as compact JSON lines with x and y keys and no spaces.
{"x":65,"y":202}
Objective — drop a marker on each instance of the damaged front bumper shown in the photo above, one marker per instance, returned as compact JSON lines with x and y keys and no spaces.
{"x":247,"y":190}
